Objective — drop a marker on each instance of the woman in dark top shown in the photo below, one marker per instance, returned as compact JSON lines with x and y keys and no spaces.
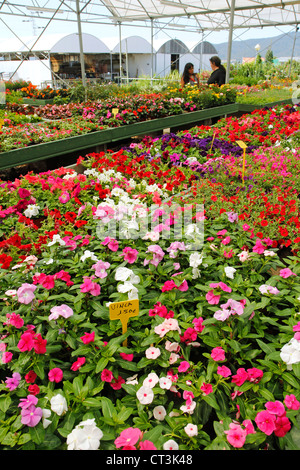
{"x":189,"y":77}
{"x":218,"y":76}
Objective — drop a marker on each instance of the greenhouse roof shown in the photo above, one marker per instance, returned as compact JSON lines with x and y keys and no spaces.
{"x":193,"y":15}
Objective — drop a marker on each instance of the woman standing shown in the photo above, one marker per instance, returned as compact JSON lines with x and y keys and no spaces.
{"x":218,"y":76}
{"x":189,"y":77}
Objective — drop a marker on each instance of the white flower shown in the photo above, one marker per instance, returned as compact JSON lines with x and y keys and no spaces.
{"x":189,"y":408}
{"x":191,"y":429}
{"x":151,"y":380}
{"x":152,"y":352}
{"x":170,"y":445}
{"x":159,"y":412}
{"x":290,"y":353}
{"x":31,"y":210}
{"x":59,"y":404}
{"x":122,"y":274}
{"x":56,"y":239}
{"x":165,"y":383}
{"x":229,"y":272}
{"x":269,"y":253}
{"x":88,"y":254}
{"x":173,"y":358}
{"x":45,"y":421}
{"x":11,"y":292}
{"x":85,"y":436}
{"x":145,"y":395}
{"x":243,"y":256}
{"x":132,"y":380}
{"x":195,"y":259}
{"x":266,"y":289}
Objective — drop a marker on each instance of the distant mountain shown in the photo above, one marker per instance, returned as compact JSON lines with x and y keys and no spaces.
{"x":281,"y":46}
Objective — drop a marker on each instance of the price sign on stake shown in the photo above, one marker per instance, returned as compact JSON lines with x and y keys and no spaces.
{"x":115,"y":111}
{"x":123,"y":311}
{"x":243,"y":146}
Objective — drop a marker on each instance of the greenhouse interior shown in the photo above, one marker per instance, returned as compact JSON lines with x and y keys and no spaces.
{"x":150,"y":228}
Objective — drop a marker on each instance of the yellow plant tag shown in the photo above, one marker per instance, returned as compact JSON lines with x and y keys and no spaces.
{"x":115,"y":111}
{"x":243,"y":146}
{"x":1,"y":122}
{"x":123,"y":311}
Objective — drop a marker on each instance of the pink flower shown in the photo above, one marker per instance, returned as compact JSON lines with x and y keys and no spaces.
{"x":112,"y":244}
{"x":64,"y":197}
{"x":198,"y":324}
{"x":265,"y":422}
{"x":223,"y":371}
{"x":275,"y":407}
{"x":100,"y":269}
{"x":14,"y":319}
{"x":25,"y":293}
{"x":212,"y":298}
{"x":147,"y":445}
{"x":39,"y":344}
{"x":6,"y":357}
{"x":226,"y":240}
{"x":282,"y":426}
{"x":126,"y":357}
{"x":206,"y":388}
{"x":26,"y":341}
{"x":13,"y":382}
{"x":183,"y":366}
{"x":27,"y":402}
{"x":55,"y":375}
{"x":31,"y":416}
{"x":236,"y":436}
{"x":116,"y":384}
{"x":60,"y":311}
{"x":88,"y":338}
{"x":168,"y":285}
{"x":285,"y":273}
{"x":254,"y":375}
{"x":291,"y":402}
{"x":248,"y":426}
{"x":130,"y":254}
{"x":77,"y":364}
{"x":107,"y":375}
{"x":91,"y":287}
{"x":129,"y":436}
{"x":218,"y":354}
{"x":259,"y":247}
{"x":240,"y":377}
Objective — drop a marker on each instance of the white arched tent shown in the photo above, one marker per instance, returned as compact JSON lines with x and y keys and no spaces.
{"x":187,"y":15}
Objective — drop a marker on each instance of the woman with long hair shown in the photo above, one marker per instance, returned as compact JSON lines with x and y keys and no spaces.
{"x":189,"y":77}
{"x":218,"y":76}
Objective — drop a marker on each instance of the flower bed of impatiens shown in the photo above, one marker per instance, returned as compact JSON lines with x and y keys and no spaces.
{"x":212,"y":360}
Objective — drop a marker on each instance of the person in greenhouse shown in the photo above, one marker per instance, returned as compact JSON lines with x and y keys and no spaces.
{"x":218,"y":76}
{"x":189,"y":77}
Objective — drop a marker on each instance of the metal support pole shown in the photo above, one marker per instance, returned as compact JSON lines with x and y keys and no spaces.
{"x":83,"y":77}
{"x":151,"y":51}
{"x":292,"y":55}
{"x":230,"y":40}
{"x":120,"y":53}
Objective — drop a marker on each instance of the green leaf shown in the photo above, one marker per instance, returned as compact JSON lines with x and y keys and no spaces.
{"x":101,"y":364}
{"x":5,"y":403}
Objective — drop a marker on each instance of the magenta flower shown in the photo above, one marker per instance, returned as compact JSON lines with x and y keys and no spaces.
{"x":64,"y":197}
{"x":26,"y":342}
{"x":265,"y":422}
{"x":55,"y":375}
{"x":13,"y":382}
{"x":183,"y":366}
{"x":212,"y":298}
{"x":275,"y":407}
{"x":224,"y":371}
{"x":285,"y":273}
{"x":218,"y":354}
{"x":31,"y":416}
{"x":291,"y":402}
{"x":129,"y":436}
{"x":90,"y":287}
{"x":130,"y":254}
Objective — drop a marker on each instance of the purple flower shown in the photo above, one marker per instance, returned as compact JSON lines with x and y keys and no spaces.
{"x":13,"y":382}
